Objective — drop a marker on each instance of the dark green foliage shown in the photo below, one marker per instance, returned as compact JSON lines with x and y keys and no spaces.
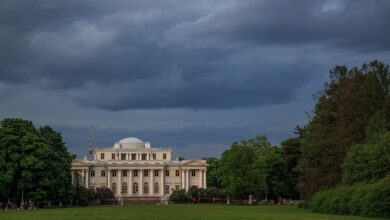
{"x":366,"y":199}
{"x":179,"y":196}
{"x":104,"y":194}
{"x":254,"y":167}
{"x":368,"y":161}
{"x":35,"y":164}
{"x":214,"y":175}
{"x":340,"y":120}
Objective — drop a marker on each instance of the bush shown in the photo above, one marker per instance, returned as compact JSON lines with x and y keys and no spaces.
{"x":365,"y":199}
{"x":179,"y":196}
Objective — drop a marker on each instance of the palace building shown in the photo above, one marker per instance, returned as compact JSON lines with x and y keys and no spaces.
{"x":133,"y":170}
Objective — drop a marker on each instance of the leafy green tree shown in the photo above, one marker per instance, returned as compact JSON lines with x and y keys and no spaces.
{"x":35,"y":164}
{"x":254,"y":167}
{"x":214,"y":176}
{"x":339,"y":120}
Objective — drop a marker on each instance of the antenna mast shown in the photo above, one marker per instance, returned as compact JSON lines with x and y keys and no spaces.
{"x":90,"y":144}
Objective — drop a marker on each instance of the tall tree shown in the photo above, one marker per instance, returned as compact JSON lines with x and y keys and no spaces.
{"x":339,"y":121}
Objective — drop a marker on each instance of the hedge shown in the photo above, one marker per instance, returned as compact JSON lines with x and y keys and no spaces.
{"x":364,"y":199}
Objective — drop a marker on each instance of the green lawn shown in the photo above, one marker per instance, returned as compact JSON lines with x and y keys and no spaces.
{"x":172,"y":212}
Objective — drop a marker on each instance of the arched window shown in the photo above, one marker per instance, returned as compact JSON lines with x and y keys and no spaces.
{"x":135,"y":188}
{"x":113,"y":188}
{"x":156,"y":188}
{"x":146,"y":188}
{"x":124,"y":188}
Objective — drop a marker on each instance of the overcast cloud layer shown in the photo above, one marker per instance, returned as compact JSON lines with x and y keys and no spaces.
{"x":192,"y":75}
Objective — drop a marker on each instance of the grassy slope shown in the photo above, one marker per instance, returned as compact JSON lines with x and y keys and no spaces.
{"x":173,"y":212}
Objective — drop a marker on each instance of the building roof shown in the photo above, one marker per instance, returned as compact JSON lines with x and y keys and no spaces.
{"x":130,"y":143}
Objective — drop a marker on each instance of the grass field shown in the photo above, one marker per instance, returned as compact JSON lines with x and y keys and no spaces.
{"x":173,"y":212}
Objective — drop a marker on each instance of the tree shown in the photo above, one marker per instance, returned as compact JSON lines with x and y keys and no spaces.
{"x":35,"y":164}
{"x":214,"y":176}
{"x":338,"y":121}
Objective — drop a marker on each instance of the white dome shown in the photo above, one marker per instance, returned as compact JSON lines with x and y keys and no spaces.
{"x":131,"y":142}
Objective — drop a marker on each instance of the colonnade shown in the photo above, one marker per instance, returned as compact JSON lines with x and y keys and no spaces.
{"x":186,"y":180}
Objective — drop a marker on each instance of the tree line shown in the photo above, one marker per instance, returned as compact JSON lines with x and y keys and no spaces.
{"x":343,"y":143}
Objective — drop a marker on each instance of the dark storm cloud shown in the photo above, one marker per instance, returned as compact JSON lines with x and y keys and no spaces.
{"x":118,"y":55}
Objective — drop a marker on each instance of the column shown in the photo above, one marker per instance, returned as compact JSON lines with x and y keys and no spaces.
{"x":141,"y":183}
{"x":119,"y":184}
{"x":151,"y":184}
{"x":109,"y":179}
{"x":130,"y":183}
{"x":162,"y":183}
{"x":86,"y":179}
{"x":182,"y":174}
{"x":200,"y":183}
{"x":82,"y":176}
{"x":204,"y":179}
{"x":187,"y":179}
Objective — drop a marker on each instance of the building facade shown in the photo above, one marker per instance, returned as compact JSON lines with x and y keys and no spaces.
{"x":133,"y":169}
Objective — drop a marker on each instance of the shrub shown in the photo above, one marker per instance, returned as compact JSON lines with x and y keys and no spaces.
{"x":179,"y":196}
{"x":365,"y":199}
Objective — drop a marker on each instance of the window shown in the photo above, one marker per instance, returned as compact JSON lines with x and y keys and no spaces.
{"x":124,"y":188}
{"x":146,"y":188}
{"x":113,"y":156}
{"x":194,"y":187}
{"x":124,"y":173}
{"x":103,"y":173}
{"x":123,"y":156}
{"x":177,"y":187}
{"x":156,"y":173}
{"x":166,"y":172}
{"x":113,"y":188}
{"x":135,"y":188}
{"x":146,"y":173}
{"x":134,"y":156}
{"x":193,"y":173}
{"x":143,"y":156}
{"x":135,"y":173}
{"x":92,"y":173}
{"x":102,"y":156}
{"x":156,"y":188}
{"x":177,"y":173}
{"x":154,"y":156}
{"x":113,"y":173}
{"x":164,"y":156}
{"x":166,"y":189}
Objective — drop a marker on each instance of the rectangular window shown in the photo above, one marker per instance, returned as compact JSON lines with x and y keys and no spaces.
{"x":133,"y":156}
{"x":102,"y":156}
{"x":177,"y":187}
{"x":156,"y":188}
{"x":193,"y":173}
{"x":166,"y":189}
{"x":164,"y":156}
{"x":166,"y":172}
{"x":123,"y":156}
{"x":156,"y":173}
{"x":113,"y":173}
{"x":154,"y":156}
{"x":124,"y":173}
{"x":143,"y":156}
{"x":146,"y":173}
{"x":112,"y":156}
{"x":177,"y":173}
{"x":135,"y":173}
{"x":103,"y":173}
{"x":92,"y":173}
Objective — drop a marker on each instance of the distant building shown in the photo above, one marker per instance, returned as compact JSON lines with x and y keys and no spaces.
{"x":133,"y":169}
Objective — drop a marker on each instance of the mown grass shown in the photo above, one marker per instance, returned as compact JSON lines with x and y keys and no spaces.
{"x":173,"y":212}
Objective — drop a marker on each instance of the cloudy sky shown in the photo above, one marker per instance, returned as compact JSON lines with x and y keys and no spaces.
{"x":192,"y":75}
